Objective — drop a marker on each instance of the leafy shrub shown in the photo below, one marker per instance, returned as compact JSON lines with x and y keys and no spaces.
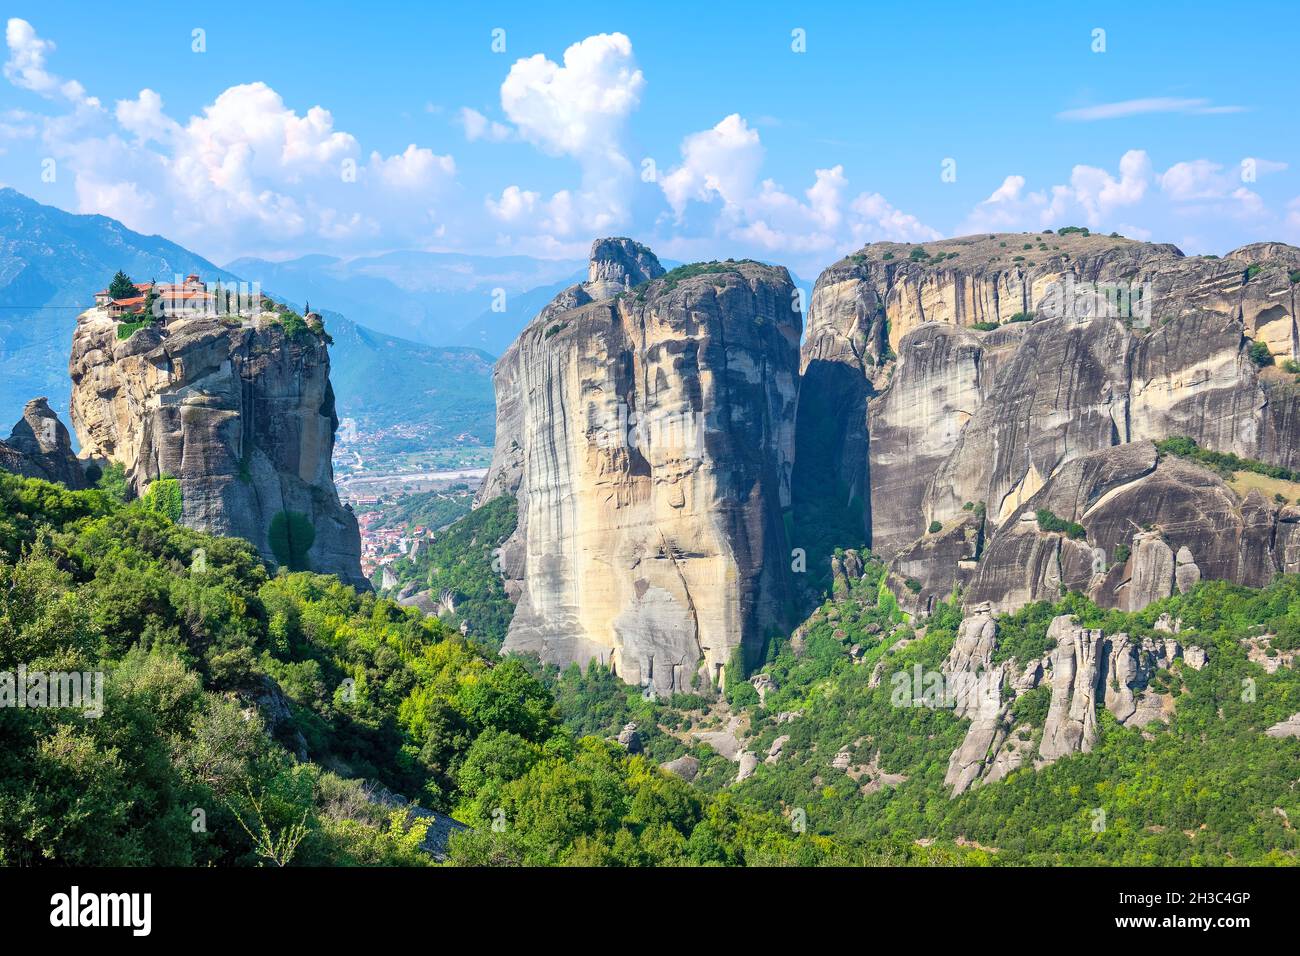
{"x":668,"y":281}
{"x":127,"y":329}
{"x":294,"y":324}
{"x":112,"y":481}
{"x":1260,"y":354}
{"x":164,"y":498}
{"x":1047,"y":521}
{"x":1031,"y":707}
{"x":291,"y":536}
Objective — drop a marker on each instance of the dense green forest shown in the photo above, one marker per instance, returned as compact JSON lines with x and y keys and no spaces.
{"x":184,"y":767}
{"x":1209,"y":788}
{"x":248,"y":716}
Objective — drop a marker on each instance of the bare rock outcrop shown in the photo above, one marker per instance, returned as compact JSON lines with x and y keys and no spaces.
{"x":240,"y":413}
{"x":974,"y":691}
{"x":1071,"y":725}
{"x":615,"y":265}
{"x":1286,"y":728}
{"x":939,"y":562}
{"x":629,"y":738}
{"x":39,"y":447}
{"x":1153,"y":526}
{"x":648,"y":438}
{"x":1084,"y":669}
{"x":685,"y":766}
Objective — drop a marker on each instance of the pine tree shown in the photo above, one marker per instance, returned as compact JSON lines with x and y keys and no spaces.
{"x":121,"y":287}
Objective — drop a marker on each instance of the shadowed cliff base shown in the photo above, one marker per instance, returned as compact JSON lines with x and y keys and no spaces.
{"x":830,"y":490}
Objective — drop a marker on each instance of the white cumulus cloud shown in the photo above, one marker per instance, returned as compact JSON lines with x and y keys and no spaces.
{"x":1092,"y":196}
{"x":248,"y":172}
{"x":721,"y":169}
{"x":577,"y":109}
{"x":477,"y":126}
{"x":25,"y":67}
{"x":722,"y":162}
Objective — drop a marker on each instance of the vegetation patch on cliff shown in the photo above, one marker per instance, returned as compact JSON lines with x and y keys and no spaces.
{"x":669,"y":280}
{"x":1047,"y":521}
{"x":164,"y":497}
{"x":1225,"y":464}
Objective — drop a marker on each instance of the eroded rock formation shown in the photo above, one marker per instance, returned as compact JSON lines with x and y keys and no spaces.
{"x":240,"y":413}
{"x":975,"y":373}
{"x":40,"y":447}
{"x":1082,"y":670}
{"x":982,"y":412}
{"x":1153,"y":525}
{"x":646,"y":427}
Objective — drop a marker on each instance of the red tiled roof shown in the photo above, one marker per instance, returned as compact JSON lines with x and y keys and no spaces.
{"x":141,"y":287}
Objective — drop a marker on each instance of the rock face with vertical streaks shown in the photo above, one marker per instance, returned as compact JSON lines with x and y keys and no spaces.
{"x":981,"y":412}
{"x":1071,"y":725}
{"x":241,"y":414}
{"x":974,"y":375}
{"x":646,"y":427}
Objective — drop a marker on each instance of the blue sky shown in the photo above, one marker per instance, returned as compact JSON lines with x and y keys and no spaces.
{"x":795,"y":157}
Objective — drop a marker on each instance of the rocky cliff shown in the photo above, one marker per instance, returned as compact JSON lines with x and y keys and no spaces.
{"x":40,"y":447}
{"x":979,"y":373}
{"x":1081,"y":670}
{"x":646,"y":427}
{"x":240,"y":413}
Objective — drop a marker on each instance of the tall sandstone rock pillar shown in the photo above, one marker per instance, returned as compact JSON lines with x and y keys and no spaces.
{"x":646,"y":428}
{"x":240,"y":413}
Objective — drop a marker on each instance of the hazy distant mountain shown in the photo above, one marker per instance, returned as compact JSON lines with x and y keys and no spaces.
{"x":381,"y":380}
{"x":51,"y":263}
{"x":434,"y":297}
{"x":495,"y":331}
